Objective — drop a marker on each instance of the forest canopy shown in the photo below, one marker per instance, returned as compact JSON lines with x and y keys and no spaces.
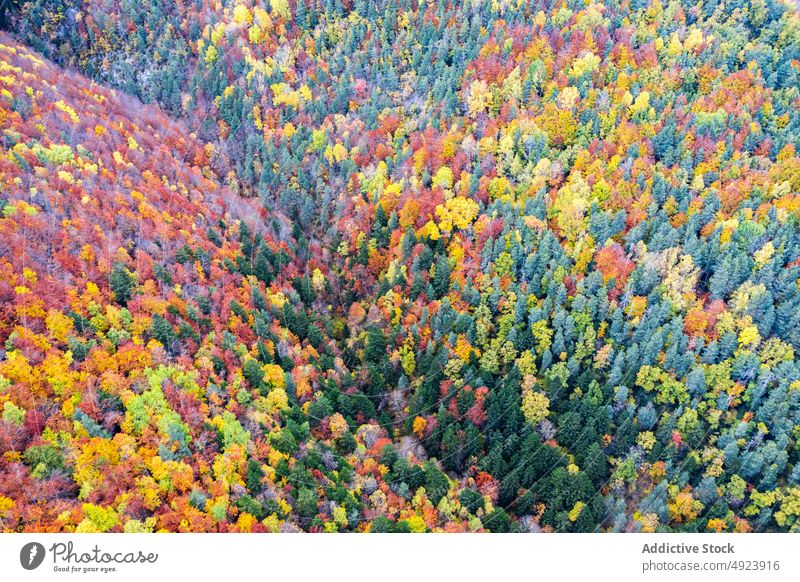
{"x":400,"y":266}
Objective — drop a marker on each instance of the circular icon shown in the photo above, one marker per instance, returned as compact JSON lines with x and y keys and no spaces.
{"x":31,"y":555}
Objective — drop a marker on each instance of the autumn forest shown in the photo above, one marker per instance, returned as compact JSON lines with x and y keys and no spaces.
{"x":399,"y":266}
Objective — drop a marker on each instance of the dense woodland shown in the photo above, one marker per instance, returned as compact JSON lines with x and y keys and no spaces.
{"x":399,"y":266}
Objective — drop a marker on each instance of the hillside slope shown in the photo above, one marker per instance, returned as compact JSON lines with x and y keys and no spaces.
{"x":512,"y":266}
